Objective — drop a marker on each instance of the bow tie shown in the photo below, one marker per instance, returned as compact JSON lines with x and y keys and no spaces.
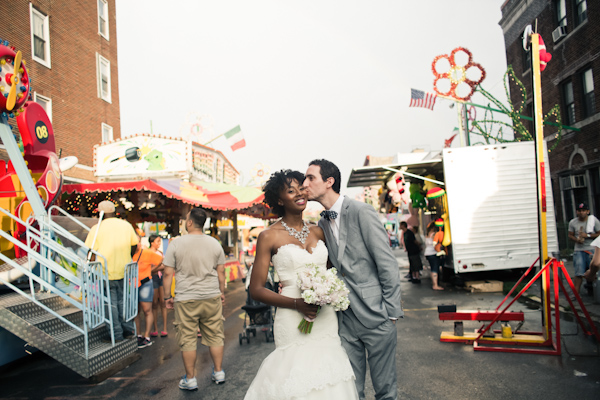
{"x":329,"y":215}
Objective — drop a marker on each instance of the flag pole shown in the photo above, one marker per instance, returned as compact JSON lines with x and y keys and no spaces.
{"x":213,"y":139}
{"x":233,"y":131}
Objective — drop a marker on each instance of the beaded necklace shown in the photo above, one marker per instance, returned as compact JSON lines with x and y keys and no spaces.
{"x":301,"y":236}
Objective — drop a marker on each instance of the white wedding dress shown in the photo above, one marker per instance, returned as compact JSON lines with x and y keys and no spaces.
{"x":303,"y":366}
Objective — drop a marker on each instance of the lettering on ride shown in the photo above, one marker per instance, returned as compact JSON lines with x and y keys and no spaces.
{"x":41,"y":132}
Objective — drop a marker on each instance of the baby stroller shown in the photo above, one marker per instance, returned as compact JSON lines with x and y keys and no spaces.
{"x":259,"y":316}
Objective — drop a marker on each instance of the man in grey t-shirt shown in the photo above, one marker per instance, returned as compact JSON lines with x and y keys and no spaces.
{"x":198,"y":263}
{"x":583,"y":230}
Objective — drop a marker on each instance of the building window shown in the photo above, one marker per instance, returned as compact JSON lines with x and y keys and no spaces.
{"x":574,"y":190}
{"x":561,"y":13}
{"x":103,"y":71}
{"x":45,"y":102}
{"x":40,"y":36}
{"x":107,"y":133}
{"x":580,"y":12}
{"x":589,"y":100}
{"x":569,"y":103}
{"x":526,"y":58}
{"x":103,"y":18}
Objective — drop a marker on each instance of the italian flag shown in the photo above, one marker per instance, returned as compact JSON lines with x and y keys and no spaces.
{"x":235,"y":138}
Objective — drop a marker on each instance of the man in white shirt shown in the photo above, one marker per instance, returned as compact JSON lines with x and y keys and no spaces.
{"x":582,"y":230}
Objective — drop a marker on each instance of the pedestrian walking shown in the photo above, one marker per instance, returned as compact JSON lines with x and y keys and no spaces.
{"x":198,"y":263}
{"x":414,"y":253}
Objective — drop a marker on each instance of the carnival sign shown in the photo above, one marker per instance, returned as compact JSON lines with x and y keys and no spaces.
{"x":141,"y":155}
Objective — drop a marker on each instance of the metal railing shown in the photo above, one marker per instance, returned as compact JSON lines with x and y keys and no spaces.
{"x":130,"y":281}
{"x":43,"y":247}
{"x":130,"y":291}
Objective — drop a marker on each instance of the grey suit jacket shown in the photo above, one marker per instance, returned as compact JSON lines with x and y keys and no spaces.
{"x":366,"y":264}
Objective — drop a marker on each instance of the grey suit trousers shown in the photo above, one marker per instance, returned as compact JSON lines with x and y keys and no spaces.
{"x":379,"y":344}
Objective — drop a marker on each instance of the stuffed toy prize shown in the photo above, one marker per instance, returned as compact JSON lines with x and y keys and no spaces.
{"x":416,"y":196}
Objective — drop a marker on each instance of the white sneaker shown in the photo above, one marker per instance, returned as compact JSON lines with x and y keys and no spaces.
{"x":218,"y":376}
{"x":188,"y":384}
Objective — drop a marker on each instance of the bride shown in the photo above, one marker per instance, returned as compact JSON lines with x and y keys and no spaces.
{"x":303,"y":366}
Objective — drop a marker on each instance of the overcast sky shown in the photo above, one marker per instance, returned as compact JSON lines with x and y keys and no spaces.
{"x":304,"y":79}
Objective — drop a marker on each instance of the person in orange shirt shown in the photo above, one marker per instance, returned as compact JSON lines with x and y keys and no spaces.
{"x":159,"y":299}
{"x":146,"y":259}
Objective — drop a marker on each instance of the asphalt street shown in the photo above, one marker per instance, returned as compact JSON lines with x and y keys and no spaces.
{"x":427,"y":368}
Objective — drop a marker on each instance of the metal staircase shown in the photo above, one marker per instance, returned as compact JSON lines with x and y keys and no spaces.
{"x":48,"y":332}
{"x":73,"y":327}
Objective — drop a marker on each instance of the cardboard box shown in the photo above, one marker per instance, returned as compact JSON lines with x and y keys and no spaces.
{"x":484,"y":286}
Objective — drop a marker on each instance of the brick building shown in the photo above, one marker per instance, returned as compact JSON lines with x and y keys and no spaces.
{"x":70,"y":49}
{"x":571,"y":32}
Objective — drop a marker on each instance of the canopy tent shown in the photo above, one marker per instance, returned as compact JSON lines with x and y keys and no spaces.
{"x":213,"y":196}
{"x":156,"y":200}
{"x":379,"y":174}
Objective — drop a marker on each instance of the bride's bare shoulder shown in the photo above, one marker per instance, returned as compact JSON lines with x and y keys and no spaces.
{"x":317,"y":231}
{"x":271,"y":233}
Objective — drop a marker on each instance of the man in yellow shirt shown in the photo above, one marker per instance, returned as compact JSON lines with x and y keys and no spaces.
{"x":117,"y":242}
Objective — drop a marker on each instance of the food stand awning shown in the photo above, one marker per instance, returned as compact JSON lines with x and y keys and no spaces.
{"x":379,"y":174}
{"x":214,"y":196}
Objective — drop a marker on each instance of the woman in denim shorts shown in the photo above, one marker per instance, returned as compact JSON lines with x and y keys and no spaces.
{"x":158,"y":300}
{"x":147,"y":260}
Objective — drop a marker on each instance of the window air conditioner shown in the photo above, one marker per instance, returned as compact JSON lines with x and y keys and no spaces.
{"x":559,"y":33}
{"x":578,"y":181}
{"x":572,"y":182}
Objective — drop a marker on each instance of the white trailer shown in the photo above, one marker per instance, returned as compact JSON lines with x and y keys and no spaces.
{"x":493,"y":206}
{"x":492,"y":202}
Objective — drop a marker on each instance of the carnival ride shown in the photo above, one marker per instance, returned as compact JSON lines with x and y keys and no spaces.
{"x":65,"y":322}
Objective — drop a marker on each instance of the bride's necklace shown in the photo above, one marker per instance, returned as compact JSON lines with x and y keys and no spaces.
{"x":301,"y":236}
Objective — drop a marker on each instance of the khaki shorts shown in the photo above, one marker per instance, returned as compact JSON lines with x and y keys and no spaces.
{"x":204,"y":314}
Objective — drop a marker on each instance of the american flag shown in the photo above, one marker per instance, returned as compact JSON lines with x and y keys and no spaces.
{"x":419,"y":98}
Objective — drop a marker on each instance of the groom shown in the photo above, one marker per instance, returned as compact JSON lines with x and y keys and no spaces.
{"x":359,"y":250}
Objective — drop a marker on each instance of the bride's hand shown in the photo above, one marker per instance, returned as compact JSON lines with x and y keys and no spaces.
{"x":309,"y":310}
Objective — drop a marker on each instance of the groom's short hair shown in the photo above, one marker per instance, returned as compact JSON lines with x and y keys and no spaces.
{"x":329,"y":170}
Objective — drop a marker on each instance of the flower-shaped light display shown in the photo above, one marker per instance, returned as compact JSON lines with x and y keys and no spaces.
{"x":459,"y":80}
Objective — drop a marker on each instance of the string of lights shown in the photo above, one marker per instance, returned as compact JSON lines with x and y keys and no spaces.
{"x":485,"y":127}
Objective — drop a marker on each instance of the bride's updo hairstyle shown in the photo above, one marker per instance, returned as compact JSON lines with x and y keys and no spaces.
{"x":277,"y":182}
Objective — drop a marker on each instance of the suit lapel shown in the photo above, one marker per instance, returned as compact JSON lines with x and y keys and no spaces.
{"x":343,"y":233}
{"x":332,"y":246}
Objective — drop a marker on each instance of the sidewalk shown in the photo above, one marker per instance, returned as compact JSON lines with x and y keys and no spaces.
{"x":533,"y":294}
{"x":592,"y":307}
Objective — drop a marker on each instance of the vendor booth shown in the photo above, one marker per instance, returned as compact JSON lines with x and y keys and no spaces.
{"x":158,"y":179}
{"x":486,"y":197}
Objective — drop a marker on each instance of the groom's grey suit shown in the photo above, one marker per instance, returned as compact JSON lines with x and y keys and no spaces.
{"x":365,"y":262}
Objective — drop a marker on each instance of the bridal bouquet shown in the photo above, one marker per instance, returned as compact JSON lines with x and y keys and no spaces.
{"x":321,"y":286}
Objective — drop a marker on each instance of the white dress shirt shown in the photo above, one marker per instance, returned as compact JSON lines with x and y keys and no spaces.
{"x":336,"y":223}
